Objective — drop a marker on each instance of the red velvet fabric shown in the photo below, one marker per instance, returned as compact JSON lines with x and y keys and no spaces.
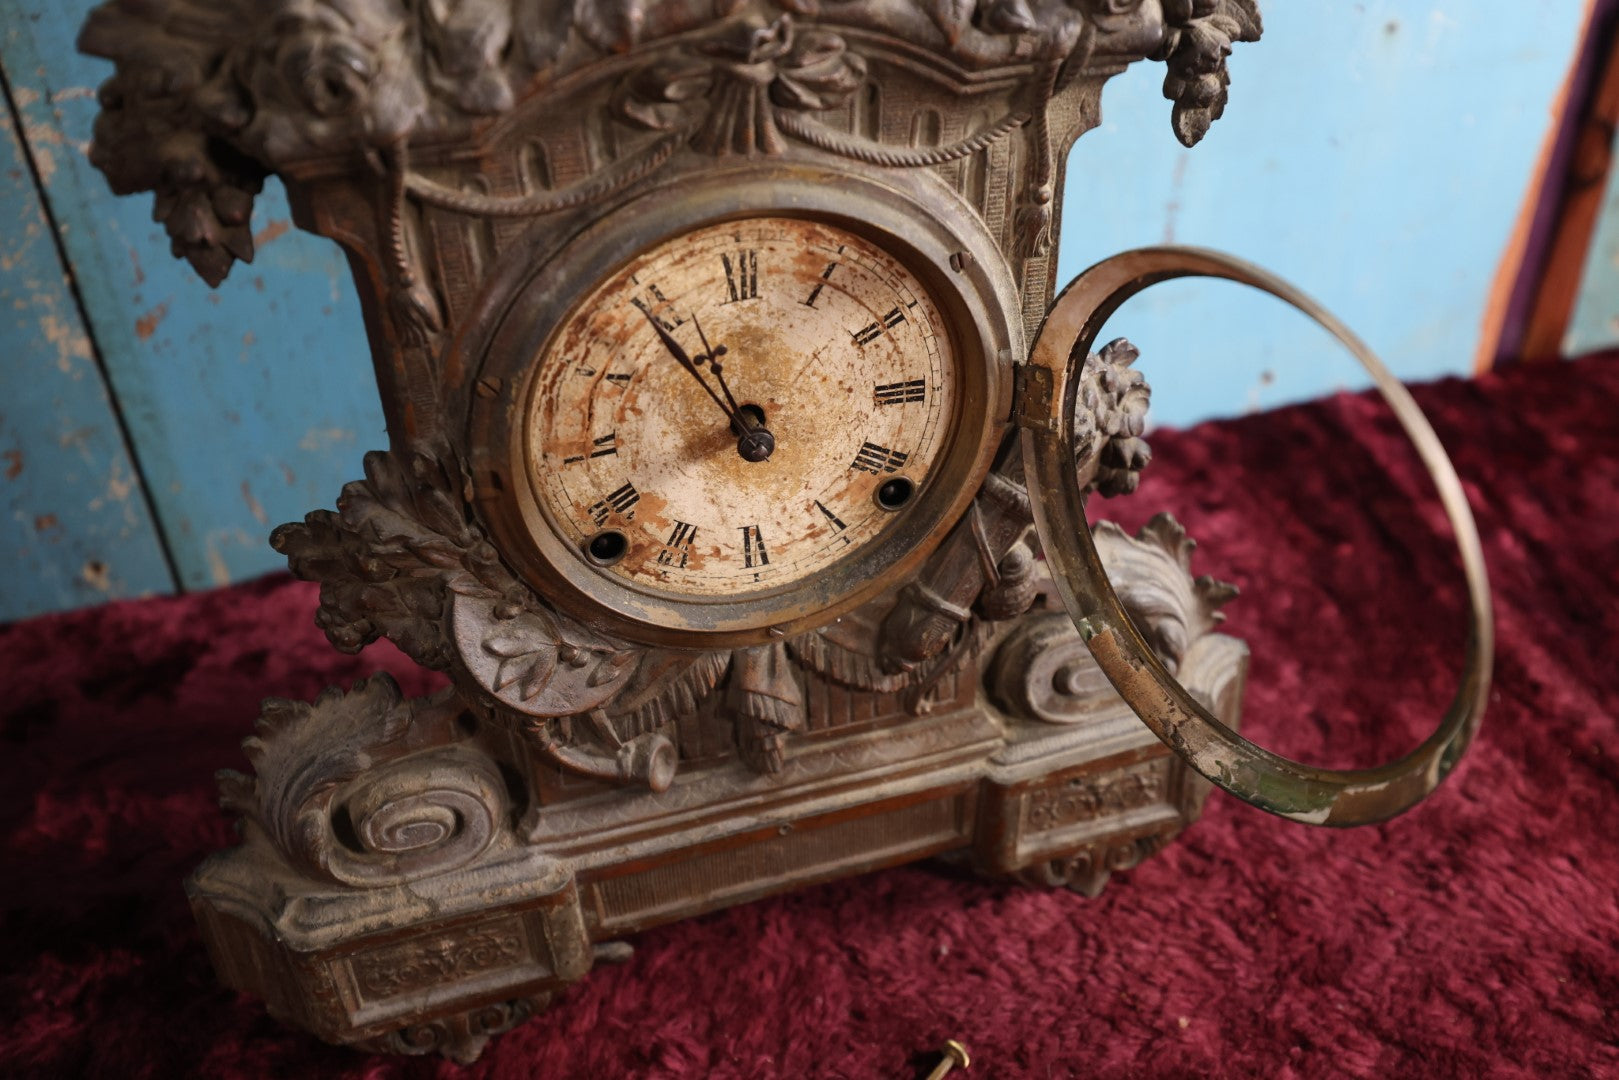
{"x":1477,"y":936}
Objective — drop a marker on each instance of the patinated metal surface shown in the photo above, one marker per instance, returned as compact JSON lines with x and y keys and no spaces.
{"x":541,"y":211}
{"x":1052,"y":415}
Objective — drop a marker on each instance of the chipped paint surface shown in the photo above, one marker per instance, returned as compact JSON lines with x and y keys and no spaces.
{"x":253,"y":505}
{"x":246,"y":407}
{"x":62,"y":330}
{"x":271,"y":232}
{"x":219,"y":543}
{"x":316,"y":440}
{"x":73,"y":530}
{"x":147,"y":324}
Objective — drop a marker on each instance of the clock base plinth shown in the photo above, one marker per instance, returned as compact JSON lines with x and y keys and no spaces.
{"x":456,"y":935}
{"x":438,"y":966}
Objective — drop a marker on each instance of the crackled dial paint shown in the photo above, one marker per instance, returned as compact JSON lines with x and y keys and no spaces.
{"x":833,"y":340}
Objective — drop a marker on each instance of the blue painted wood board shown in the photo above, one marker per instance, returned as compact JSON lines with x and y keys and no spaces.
{"x":1594,"y":325}
{"x":76,"y":529}
{"x":1376,"y":153}
{"x":247,"y":406}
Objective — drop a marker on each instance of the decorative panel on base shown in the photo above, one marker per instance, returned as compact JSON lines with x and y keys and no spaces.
{"x":422,"y":893}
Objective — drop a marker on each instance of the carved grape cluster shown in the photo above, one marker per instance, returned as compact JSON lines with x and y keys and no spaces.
{"x":1198,"y":40}
{"x":1112,"y":416}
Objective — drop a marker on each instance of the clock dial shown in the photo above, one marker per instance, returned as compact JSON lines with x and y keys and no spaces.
{"x":740,"y":408}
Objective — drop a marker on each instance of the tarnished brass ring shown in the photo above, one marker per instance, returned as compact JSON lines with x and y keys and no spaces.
{"x":1255,"y":775}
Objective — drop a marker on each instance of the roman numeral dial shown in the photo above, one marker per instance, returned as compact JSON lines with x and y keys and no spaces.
{"x":645,"y":394}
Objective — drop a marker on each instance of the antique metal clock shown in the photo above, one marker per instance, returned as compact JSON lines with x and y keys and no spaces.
{"x":730,"y":419}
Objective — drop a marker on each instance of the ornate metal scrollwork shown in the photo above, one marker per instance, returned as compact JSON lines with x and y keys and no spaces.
{"x":1044,"y":671}
{"x":1087,"y":871}
{"x":402,"y":559}
{"x":340,"y":792}
{"x":461,"y":1037}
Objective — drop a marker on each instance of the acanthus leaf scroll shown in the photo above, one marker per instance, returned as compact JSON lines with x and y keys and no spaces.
{"x":342,"y":791}
{"x":401,"y":558}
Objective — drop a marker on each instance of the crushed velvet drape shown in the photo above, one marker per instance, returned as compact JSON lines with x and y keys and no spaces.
{"x":1478,"y":936}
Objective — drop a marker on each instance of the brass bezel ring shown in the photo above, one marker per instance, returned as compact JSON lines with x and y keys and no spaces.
{"x":972,"y":299}
{"x":1306,"y":793}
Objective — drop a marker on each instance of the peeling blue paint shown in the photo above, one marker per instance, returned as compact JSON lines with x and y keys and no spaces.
{"x":74,"y":529}
{"x":217,"y":390}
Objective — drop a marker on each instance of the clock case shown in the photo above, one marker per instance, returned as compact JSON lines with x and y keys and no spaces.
{"x":417,"y":875}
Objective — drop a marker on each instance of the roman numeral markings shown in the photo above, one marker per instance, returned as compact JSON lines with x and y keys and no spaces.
{"x":900,"y":392}
{"x":619,"y":379}
{"x":620,"y":502}
{"x":866,"y":335}
{"x":741,"y":276}
{"x":837,"y":522}
{"x":878,"y":459}
{"x":753,"y":548}
{"x":826,"y":276}
{"x":603,"y":447}
{"x":678,"y":546}
{"x":651,"y":297}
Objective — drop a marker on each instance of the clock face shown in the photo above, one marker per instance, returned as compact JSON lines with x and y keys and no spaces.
{"x":740,"y":408}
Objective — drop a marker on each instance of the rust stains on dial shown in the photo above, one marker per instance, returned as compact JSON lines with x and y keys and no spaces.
{"x":829,"y":342}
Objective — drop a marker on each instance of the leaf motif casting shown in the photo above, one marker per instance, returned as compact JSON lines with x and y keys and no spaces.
{"x":349,"y":757}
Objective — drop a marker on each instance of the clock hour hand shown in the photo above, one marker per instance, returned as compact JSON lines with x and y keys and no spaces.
{"x":712,"y":355}
{"x":753,"y":443}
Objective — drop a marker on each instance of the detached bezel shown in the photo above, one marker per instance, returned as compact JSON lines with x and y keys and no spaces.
{"x":923,"y":224}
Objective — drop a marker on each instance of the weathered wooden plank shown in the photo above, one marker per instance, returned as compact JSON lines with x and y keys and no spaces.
{"x":76,"y":528}
{"x":246,"y":406}
{"x":1376,"y":153}
{"x":1594,"y":326}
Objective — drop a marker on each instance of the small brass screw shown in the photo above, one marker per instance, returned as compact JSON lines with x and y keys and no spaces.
{"x":954,"y":1054}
